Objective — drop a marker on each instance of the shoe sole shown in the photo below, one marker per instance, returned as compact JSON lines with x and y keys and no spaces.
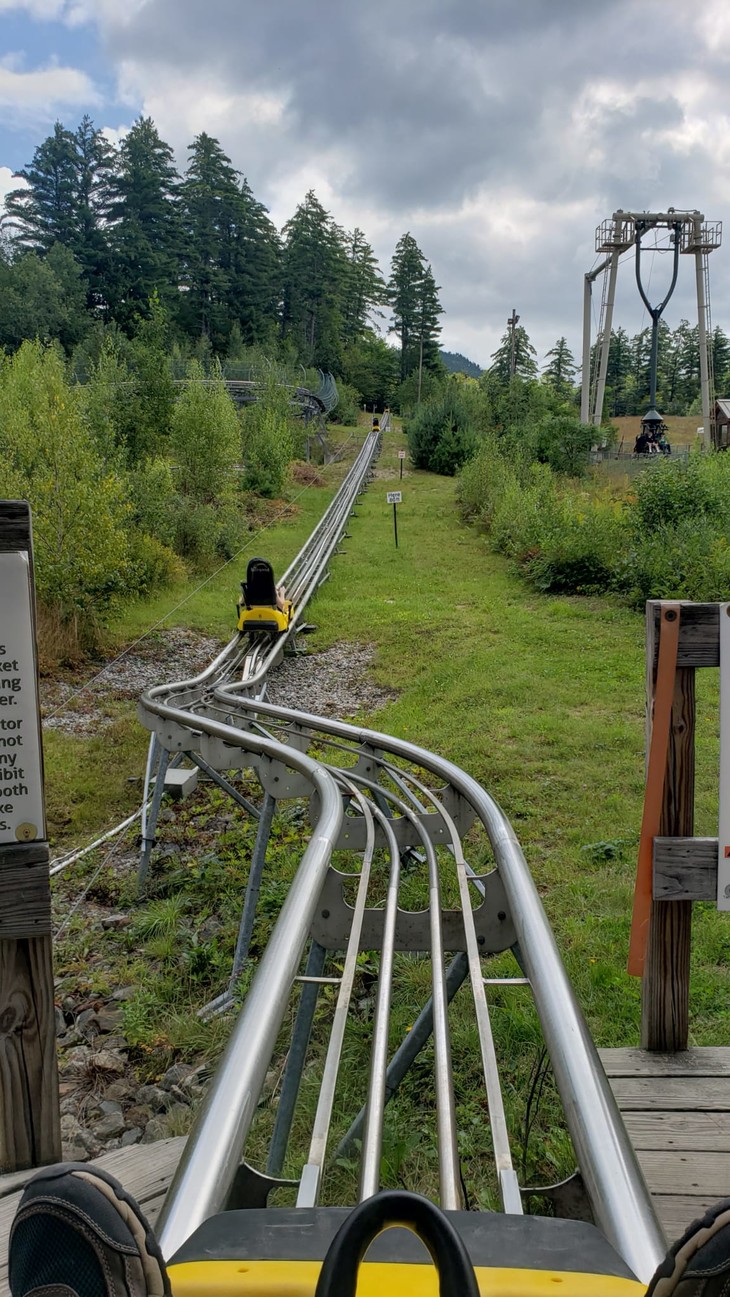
{"x":674,"y":1265}
{"x":153,"y":1262}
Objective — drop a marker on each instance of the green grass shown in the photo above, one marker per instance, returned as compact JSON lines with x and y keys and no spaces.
{"x":541,"y":699}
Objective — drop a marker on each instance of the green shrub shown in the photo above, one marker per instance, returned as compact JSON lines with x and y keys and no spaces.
{"x":155,"y":500}
{"x":80,"y":509}
{"x":152,"y":564}
{"x":349,"y":405}
{"x":443,"y":434}
{"x":271,"y":438}
{"x":580,"y":552}
{"x":205,"y":437}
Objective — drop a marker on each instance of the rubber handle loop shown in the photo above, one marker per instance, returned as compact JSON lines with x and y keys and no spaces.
{"x":391,"y":1208}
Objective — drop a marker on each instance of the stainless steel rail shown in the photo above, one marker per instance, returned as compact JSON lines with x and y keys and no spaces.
{"x":371,"y":793}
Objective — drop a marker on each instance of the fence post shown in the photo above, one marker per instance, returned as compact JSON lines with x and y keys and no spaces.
{"x":30,"y":1131}
{"x":665,"y":984}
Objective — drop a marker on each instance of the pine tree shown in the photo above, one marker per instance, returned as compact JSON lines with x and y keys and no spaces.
{"x":211,"y":207}
{"x":256,"y":271}
{"x":95,"y":161}
{"x":364,"y":288}
{"x":407,"y":270}
{"x":559,"y":373}
{"x":428,"y":327}
{"x":45,"y":212}
{"x":314,"y":273}
{"x":524,"y":365}
{"x":147,"y":235}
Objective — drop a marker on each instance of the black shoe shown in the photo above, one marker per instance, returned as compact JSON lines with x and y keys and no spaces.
{"x":77,"y":1233}
{"x":699,"y":1264}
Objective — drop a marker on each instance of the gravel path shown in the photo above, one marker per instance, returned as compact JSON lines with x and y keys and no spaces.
{"x":334,"y":682}
{"x":331,"y":683}
{"x":78,"y":708}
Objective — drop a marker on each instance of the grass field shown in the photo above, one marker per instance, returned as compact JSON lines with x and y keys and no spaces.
{"x":541,"y":699}
{"x":682,"y":428}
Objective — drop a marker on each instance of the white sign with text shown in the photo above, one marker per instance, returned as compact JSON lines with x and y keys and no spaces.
{"x":394,"y":497}
{"x":401,"y":454}
{"x":21,"y":769}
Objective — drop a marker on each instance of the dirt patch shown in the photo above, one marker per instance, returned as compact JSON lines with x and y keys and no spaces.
{"x":76,"y":705}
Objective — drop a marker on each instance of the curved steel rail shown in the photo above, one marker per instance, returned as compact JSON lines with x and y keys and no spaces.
{"x":384,"y":802}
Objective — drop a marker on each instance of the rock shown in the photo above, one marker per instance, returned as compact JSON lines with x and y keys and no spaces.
{"x":108,"y":1106}
{"x":116,"y":1042}
{"x":176,"y":1074}
{"x":72,"y":1037}
{"x":157,"y":1099}
{"x":60,"y":1022}
{"x":155,"y":1129}
{"x":88,"y":1139}
{"x":68,"y":1105}
{"x":76,"y":1061}
{"x":131,"y":1136}
{"x":107,"y":1060}
{"x":110,"y":1126}
{"x":120,"y":1091}
{"x":198,"y":1077}
{"x":169,"y":850}
{"x":139,"y":1115}
{"x":109,"y":1020}
{"x":70,"y":1127}
{"x":68,"y":1004}
{"x":125,"y":993}
{"x":114,"y":921}
{"x":74,"y":1153}
{"x":87,"y":1024}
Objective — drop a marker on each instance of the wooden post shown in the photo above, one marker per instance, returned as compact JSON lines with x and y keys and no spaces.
{"x":30,"y":1130}
{"x":665,"y":985}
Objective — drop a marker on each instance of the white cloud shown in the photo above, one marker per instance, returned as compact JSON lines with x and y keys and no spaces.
{"x":38,"y":93}
{"x":7,"y":183}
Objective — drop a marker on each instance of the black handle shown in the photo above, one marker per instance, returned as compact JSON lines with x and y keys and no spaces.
{"x":338,"y":1276}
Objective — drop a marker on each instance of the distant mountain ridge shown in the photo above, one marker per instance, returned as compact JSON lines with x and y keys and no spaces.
{"x":458,"y":364}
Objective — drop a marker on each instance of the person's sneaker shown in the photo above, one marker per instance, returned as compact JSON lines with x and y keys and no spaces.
{"x":76,"y":1232}
{"x":699,"y":1264}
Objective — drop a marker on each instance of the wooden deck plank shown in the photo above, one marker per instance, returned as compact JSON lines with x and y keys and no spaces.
{"x":669,"y":1172}
{"x":704,"y":1061}
{"x":672,"y":1093}
{"x":677,"y":1211}
{"x":694,"y":1131}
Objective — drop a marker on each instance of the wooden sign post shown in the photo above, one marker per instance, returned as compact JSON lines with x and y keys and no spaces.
{"x":30,"y":1133}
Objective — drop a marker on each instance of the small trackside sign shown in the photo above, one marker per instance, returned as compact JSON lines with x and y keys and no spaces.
{"x":395,"y":497}
{"x":401,"y":454}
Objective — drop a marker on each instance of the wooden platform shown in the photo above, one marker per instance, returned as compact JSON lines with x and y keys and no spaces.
{"x":676,"y":1108}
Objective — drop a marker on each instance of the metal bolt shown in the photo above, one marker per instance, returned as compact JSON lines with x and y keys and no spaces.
{"x":670,"y":615}
{"x":501,"y":916}
{"x":325,"y":914}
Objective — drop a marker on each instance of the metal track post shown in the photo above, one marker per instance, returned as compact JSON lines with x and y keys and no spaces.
{"x":702,"y":338}
{"x":253,"y":887}
{"x":148,"y":840}
{"x":295,"y":1060}
{"x":606,"y":339}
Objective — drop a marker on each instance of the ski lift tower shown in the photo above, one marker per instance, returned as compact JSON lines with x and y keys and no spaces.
{"x":689,"y":233}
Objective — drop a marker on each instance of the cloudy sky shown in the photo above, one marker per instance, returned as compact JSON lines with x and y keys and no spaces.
{"x":499,"y":132}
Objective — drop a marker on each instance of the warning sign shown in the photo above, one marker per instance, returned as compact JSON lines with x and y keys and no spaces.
{"x":394,"y":497}
{"x":21,"y":772}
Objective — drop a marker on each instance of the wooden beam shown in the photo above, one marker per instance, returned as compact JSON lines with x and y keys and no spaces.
{"x":665,"y":984}
{"x":685,"y":869}
{"x":30,"y":1127}
{"x":699,"y":633}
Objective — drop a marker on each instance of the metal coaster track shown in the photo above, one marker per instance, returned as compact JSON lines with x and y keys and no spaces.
{"x":383,"y":800}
